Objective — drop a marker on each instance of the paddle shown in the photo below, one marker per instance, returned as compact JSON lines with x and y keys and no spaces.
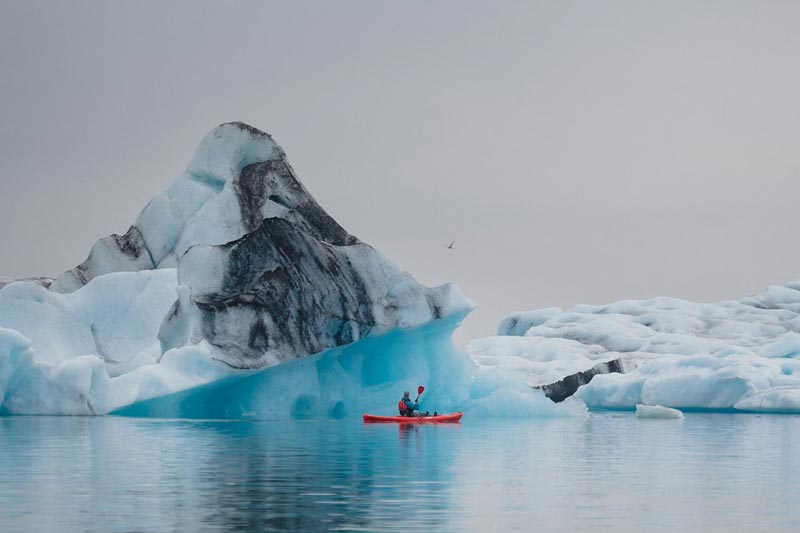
{"x":420,"y":390}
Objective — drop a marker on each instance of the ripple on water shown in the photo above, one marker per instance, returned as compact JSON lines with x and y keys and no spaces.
{"x":604,"y":472}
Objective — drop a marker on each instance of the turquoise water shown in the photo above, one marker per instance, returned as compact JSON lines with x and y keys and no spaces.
{"x":606,"y":472}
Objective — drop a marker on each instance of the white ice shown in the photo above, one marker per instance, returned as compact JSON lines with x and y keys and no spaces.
{"x":657,"y":411}
{"x":95,"y":349}
{"x":542,"y":360}
{"x":115,"y":317}
{"x":741,"y":355}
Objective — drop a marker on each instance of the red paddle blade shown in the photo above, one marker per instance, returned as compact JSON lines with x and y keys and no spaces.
{"x":420,"y":389}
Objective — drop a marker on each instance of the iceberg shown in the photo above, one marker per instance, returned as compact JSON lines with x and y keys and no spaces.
{"x":235,"y":295}
{"x":741,"y":355}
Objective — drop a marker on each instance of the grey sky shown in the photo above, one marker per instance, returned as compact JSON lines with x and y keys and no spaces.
{"x":576,"y":151}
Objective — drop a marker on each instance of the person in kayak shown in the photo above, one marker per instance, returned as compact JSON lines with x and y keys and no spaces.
{"x":406,"y":406}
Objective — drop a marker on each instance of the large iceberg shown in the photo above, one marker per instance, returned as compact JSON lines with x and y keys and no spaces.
{"x":741,"y":355}
{"x":235,"y":294}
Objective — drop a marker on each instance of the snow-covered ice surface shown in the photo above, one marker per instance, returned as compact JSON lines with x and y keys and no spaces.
{"x":741,"y":355}
{"x":542,"y":360}
{"x":235,"y":294}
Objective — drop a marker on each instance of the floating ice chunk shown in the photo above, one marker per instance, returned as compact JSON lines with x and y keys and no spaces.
{"x":657,"y":411}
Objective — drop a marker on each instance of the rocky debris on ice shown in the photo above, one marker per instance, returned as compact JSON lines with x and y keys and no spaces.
{"x":566,"y":387}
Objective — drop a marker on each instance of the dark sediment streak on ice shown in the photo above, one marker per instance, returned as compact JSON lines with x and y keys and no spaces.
{"x":564,"y":388}
{"x":284,"y":295}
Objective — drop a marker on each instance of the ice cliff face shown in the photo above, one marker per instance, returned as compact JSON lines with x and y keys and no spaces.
{"x":234,"y":267}
{"x":733,"y":355}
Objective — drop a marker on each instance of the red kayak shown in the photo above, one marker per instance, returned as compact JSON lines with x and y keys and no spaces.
{"x":451,"y":417}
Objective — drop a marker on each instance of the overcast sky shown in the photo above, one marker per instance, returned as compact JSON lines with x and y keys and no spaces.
{"x":578,"y":152}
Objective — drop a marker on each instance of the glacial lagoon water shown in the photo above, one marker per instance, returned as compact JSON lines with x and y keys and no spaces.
{"x":609,"y":471}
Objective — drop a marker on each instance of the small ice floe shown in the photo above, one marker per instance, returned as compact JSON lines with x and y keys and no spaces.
{"x":657,"y":411}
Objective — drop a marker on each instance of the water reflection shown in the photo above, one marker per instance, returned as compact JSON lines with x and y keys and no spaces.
{"x":605,"y":472}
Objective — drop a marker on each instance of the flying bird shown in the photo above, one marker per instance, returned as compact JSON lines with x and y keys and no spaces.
{"x":450,"y":246}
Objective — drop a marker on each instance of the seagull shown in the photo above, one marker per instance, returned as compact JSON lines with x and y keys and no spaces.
{"x":450,"y":246}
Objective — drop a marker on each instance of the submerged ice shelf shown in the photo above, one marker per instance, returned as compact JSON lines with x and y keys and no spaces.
{"x":362,"y":377}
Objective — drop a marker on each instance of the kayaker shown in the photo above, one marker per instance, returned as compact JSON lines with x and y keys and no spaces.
{"x":406,"y":406}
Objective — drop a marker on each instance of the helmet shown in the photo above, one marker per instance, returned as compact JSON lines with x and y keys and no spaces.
{"x":405,"y":394}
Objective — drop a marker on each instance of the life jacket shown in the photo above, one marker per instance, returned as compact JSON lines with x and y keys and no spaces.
{"x":401,"y":405}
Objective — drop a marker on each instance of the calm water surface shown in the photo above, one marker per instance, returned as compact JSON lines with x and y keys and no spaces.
{"x":607,"y":472}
